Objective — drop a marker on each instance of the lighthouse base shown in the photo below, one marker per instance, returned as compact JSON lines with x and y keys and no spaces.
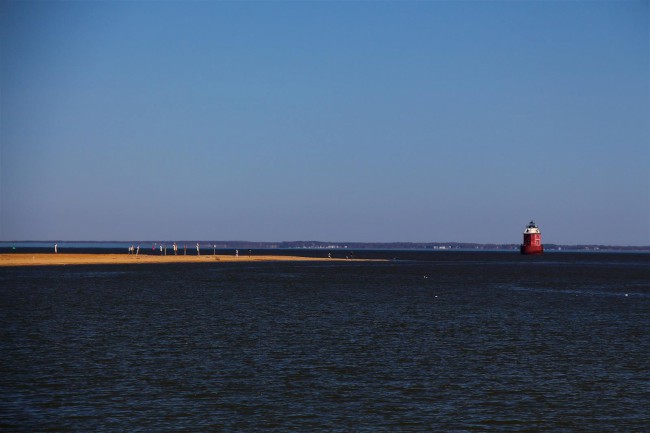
{"x":531,"y":249}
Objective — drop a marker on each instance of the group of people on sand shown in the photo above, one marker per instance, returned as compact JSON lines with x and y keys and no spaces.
{"x":163,"y":249}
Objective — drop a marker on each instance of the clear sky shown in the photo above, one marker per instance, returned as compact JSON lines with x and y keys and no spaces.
{"x":333,"y":121}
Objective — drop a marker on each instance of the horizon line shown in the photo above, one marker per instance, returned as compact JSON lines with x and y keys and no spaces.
{"x":332,"y":243}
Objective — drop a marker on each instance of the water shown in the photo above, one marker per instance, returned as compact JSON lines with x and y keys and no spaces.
{"x":429,"y":342}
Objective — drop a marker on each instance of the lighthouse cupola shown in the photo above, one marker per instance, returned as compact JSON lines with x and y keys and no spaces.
{"x":532,"y":240}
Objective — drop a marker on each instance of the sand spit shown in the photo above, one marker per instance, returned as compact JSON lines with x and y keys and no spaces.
{"x":61,"y":259}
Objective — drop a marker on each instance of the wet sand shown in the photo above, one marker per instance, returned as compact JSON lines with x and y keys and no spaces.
{"x":7,"y":260}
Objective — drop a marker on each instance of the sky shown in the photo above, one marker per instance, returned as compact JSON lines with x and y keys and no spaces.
{"x":384,"y":121}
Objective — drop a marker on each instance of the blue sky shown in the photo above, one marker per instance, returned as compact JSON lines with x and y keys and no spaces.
{"x":333,"y":121}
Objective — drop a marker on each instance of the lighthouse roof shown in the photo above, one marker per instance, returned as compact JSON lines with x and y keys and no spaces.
{"x":531,"y":228}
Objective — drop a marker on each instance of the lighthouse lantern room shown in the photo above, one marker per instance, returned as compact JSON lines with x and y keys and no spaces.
{"x":532,"y":240}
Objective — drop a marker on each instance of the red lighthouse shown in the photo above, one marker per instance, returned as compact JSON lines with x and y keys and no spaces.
{"x":532,"y":240}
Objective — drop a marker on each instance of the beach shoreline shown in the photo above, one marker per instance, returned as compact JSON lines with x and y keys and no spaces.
{"x":65,"y":259}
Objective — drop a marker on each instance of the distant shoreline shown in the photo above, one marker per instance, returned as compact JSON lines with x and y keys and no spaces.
{"x":64,"y":259}
{"x":231,"y":246}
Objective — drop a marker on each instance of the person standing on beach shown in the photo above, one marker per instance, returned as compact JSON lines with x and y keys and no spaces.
{"x":137,"y":251}
{"x":198,"y":251}
{"x":175,"y":248}
{"x":56,"y":246}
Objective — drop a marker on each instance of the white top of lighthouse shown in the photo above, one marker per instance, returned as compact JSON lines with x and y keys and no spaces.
{"x":531,"y":228}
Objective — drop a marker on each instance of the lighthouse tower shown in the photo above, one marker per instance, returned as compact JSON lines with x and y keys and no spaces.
{"x":532,"y":240}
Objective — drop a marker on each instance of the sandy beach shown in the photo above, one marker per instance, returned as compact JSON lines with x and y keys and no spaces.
{"x":7,"y":260}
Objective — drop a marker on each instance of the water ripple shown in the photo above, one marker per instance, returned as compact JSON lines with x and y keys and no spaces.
{"x":477,"y":346}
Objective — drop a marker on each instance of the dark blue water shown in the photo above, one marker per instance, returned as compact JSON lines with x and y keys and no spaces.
{"x":430,"y":342}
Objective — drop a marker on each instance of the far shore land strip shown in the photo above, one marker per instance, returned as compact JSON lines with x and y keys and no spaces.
{"x":61,"y":259}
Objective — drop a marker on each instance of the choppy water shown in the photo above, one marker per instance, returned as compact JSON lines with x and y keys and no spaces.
{"x":437,"y":342}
